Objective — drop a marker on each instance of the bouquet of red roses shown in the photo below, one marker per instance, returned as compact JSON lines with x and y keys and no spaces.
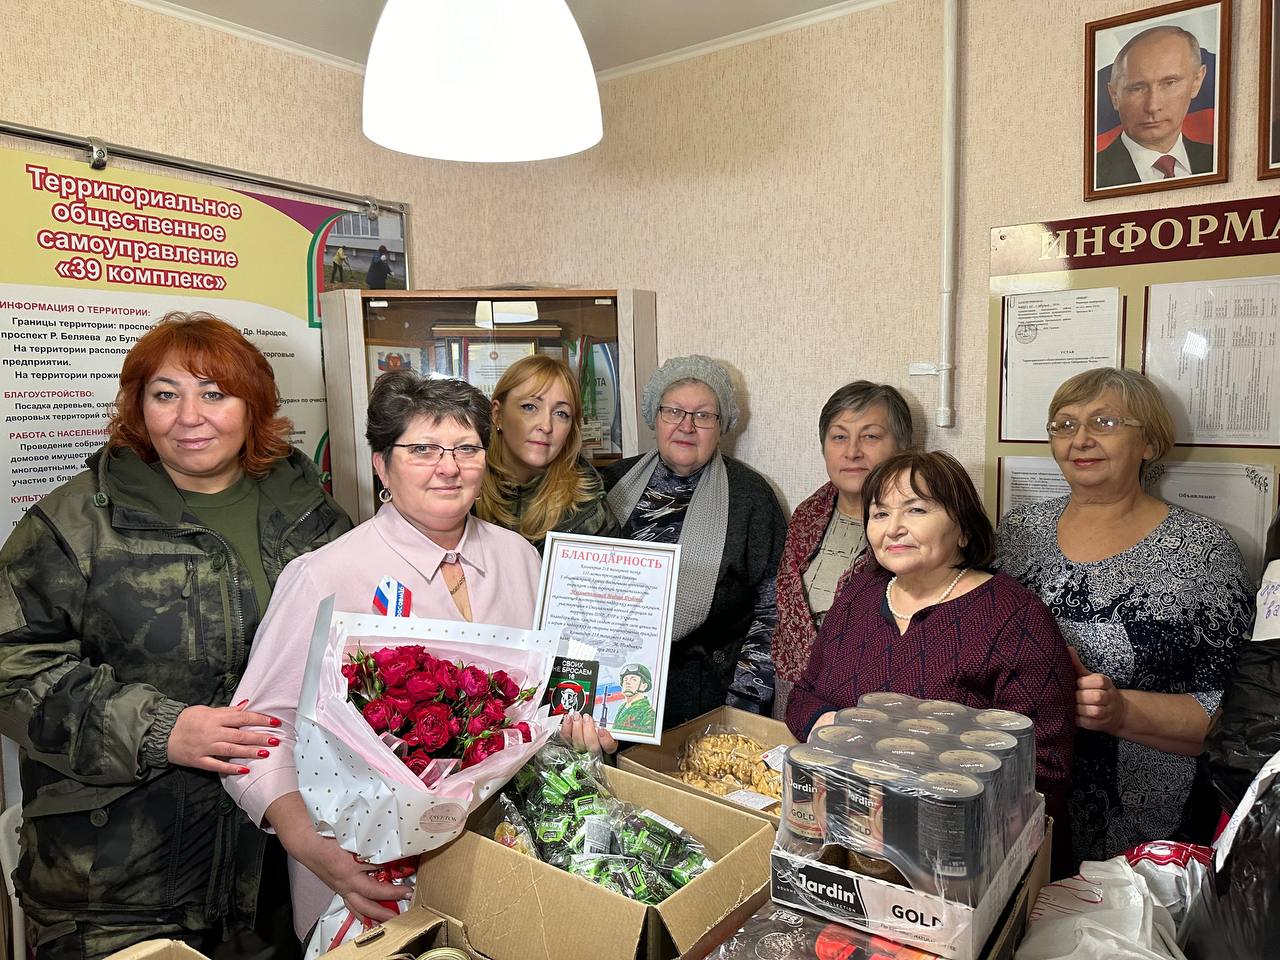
{"x":405,"y":726}
{"x":434,"y":712}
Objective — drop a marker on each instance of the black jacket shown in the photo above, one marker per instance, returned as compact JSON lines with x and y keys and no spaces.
{"x":703,"y":663}
{"x":1115,"y":165}
{"x":1246,"y":733}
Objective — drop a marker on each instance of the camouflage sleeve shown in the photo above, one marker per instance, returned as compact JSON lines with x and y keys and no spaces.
{"x":753,"y":679}
{"x":67,"y":713}
{"x":593,"y":518}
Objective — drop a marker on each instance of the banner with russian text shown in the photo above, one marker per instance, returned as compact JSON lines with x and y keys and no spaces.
{"x":91,"y":259}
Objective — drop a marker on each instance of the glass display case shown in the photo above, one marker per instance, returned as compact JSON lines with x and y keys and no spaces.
{"x":608,"y":337}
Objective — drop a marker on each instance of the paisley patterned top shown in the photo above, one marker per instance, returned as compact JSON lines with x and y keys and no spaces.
{"x":1165,"y":616}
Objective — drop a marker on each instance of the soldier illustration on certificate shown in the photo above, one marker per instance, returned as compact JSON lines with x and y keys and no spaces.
{"x":614,"y":601}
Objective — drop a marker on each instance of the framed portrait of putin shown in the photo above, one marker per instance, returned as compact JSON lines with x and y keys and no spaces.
{"x":1157,"y":84}
{"x":1269,"y":91}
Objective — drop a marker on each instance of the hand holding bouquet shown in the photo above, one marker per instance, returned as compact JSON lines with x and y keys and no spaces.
{"x":405,"y":726}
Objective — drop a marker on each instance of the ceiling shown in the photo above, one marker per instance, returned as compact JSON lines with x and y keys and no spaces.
{"x":617,"y":32}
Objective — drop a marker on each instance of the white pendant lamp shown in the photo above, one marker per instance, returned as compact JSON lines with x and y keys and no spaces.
{"x":481,"y":81}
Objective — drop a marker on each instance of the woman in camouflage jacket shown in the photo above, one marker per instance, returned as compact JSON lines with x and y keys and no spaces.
{"x":128,"y":600}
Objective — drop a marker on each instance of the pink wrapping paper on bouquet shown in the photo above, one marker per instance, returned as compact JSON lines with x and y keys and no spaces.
{"x":351,"y":780}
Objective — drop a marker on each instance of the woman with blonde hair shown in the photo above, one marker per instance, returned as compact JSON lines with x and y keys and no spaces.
{"x":538,"y":480}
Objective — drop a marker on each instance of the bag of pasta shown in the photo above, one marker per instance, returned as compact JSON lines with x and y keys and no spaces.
{"x":722,"y":761}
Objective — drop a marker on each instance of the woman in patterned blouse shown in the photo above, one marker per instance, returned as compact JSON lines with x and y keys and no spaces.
{"x":1154,"y":600}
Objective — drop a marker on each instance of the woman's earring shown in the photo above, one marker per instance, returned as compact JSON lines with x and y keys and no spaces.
{"x":384,"y":495}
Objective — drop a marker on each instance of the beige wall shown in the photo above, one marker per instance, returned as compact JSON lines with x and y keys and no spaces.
{"x":781,"y":196}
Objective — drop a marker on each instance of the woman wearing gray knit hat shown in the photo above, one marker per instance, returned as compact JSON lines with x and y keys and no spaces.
{"x":730,"y":528}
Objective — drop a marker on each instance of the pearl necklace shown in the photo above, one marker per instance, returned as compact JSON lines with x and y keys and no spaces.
{"x":888,"y":594}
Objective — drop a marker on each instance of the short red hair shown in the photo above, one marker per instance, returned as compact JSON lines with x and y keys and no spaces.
{"x":211,"y":349}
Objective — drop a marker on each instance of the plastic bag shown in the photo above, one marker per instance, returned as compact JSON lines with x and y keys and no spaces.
{"x":1173,"y":872}
{"x":565,"y":803}
{"x":631,"y":877}
{"x":572,"y":815}
{"x":1237,"y":913}
{"x":720,"y":760}
{"x":1246,"y":733}
{"x":504,"y":824}
{"x":657,"y":841}
{"x":1106,"y":912}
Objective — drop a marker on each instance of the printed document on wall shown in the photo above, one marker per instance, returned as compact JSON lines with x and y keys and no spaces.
{"x":1048,"y":338}
{"x":1213,"y":349}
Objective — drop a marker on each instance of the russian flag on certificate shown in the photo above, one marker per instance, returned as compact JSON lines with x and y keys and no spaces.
{"x":392,"y":598}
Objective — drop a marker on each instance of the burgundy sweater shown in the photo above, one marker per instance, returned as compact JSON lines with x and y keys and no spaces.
{"x":996,"y":646}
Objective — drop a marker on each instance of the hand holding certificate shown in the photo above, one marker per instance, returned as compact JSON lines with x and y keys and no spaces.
{"x":617,"y":596}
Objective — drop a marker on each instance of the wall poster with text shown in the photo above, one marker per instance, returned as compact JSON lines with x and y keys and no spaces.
{"x":91,"y":259}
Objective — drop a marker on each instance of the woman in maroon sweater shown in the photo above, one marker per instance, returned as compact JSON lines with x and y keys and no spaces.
{"x":928,"y":619}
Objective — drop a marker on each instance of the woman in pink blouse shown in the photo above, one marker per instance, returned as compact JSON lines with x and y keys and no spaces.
{"x":428,"y":439}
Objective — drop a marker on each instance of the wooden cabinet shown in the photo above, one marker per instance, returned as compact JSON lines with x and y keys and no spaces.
{"x":608,"y":337}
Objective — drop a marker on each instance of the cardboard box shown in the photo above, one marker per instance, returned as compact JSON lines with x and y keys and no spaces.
{"x":158,"y":950}
{"x":517,"y":908}
{"x":953,"y":930}
{"x":1008,"y":934}
{"x":658,"y":762}
{"x":1001,"y":944}
{"x":414,"y":932}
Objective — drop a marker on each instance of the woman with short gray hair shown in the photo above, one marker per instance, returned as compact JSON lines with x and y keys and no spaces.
{"x":727,"y":521}
{"x":428,"y":438}
{"x":861,"y":425}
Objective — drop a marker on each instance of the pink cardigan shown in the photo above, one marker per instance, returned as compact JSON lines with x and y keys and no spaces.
{"x":501,"y":569}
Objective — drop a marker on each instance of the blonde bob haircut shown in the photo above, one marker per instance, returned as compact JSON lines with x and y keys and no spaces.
{"x":1138,"y":394}
{"x":563,"y":486}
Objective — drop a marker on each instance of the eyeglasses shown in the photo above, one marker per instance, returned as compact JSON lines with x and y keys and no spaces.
{"x":429,"y":454}
{"x":702,"y":419}
{"x":1098,"y":426}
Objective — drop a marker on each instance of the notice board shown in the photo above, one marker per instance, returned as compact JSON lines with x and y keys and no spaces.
{"x":1188,"y":295}
{"x":90,"y":259}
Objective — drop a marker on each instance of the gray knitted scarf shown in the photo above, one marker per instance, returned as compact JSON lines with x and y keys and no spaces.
{"x":701,"y":536}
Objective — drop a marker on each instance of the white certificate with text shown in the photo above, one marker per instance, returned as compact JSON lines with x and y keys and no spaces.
{"x":1213,"y":350}
{"x":1048,"y":338}
{"x":1240,"y":496}
{"x":487,"y":360}
{"x":1026,"y":480}
{"x":618,"y":597}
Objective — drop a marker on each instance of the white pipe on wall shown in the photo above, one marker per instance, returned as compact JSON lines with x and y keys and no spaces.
{"x":950,"y":139}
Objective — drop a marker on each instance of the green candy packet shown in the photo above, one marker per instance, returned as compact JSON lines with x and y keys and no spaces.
{"x":581,"y":827}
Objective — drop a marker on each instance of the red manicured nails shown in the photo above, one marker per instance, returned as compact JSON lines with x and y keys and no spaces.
{"x":273,"y":741}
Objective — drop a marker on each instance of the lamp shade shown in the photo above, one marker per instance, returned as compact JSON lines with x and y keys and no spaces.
{"x":480,"y":80}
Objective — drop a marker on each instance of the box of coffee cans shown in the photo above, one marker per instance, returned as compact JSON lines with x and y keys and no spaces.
{"x":912,"y":819}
